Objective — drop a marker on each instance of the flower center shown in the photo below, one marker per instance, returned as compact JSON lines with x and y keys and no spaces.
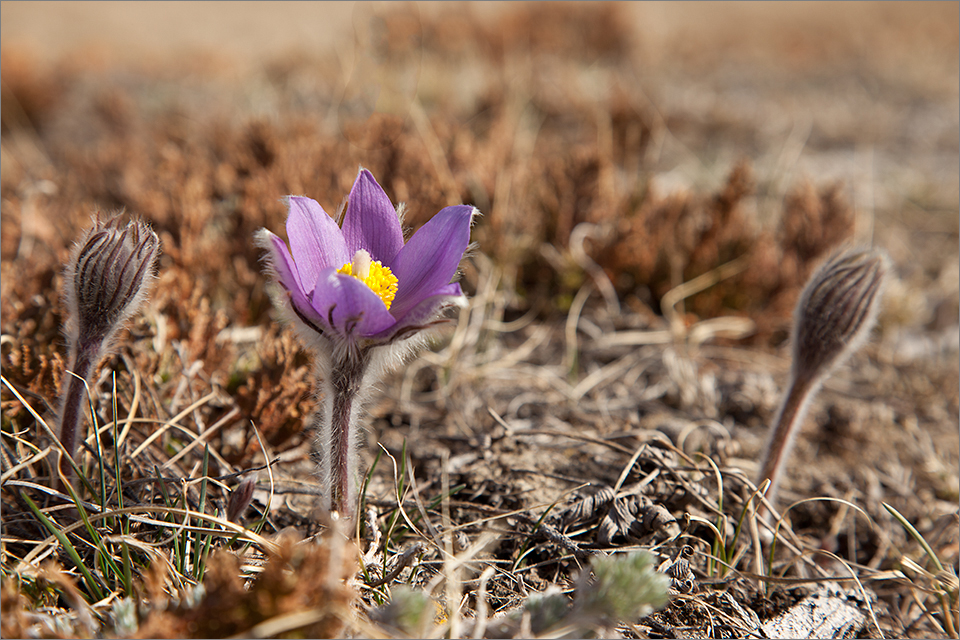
{"x":373,"y":274}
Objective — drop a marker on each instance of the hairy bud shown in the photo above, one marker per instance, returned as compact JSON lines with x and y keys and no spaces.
{"x":836,"y":310}
{"x":832,"y":319}
{"x":107,"y":278}
{"x":240,"y":499}
{"x":106,"y":281}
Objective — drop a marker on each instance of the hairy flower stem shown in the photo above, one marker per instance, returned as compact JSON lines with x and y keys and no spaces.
{"x":344,"y":391}
{"x":784,"y":433}
{"x":71,"y":412}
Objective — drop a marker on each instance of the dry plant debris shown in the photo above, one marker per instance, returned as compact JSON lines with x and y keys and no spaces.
{"x":649,"y":218}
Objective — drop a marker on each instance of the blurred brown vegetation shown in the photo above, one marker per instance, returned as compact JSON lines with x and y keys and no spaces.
{"x":206,"y":179}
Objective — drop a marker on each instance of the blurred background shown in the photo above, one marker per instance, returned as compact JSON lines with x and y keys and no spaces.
{"x":782,"y":127}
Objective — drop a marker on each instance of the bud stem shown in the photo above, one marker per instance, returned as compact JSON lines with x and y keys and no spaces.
{"x":784,"y":433}
{"x":71,"y":413}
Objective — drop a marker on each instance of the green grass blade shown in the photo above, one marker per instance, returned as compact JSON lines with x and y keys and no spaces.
{"x":127,"y":567}
{"x":163,"y":488}
{"x":179,"y":540}
{"x":526,"y":543}
{"x":67,"y":546}
{"x":399,"y":478}
{"x":203,"y":557}
{"x":116,"y":457}
{"x":402,"y":476}
{"x":453,"y":491}
{"x":100,"y":467}
{"x":366,"y":484}
{"x":914,"y":534}
{"x":198,"y":546}
{"x":107,"y":566}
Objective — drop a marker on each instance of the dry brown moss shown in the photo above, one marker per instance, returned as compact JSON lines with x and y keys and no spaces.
{"x":304,"y":578}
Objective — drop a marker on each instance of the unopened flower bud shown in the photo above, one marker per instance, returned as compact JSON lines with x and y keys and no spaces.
{"x":832,"y":319}
{"x":107,"y":278}
{"x":836,"y":310}
{"x":106,"y":281}
{"x":240,"y":499}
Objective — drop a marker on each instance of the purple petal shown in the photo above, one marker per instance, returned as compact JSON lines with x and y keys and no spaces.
{"x":426,"y":311}
{"x":430,"y":259}
{"x":350,"y":306}
{"x":285,"y":270}
{"x":315,"y":239}
{"x":371,"y":222}
{"x":282,"y":261}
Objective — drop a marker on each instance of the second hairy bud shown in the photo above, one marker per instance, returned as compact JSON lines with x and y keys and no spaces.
{"x":832,"y":319}
{"x":106,"y":281}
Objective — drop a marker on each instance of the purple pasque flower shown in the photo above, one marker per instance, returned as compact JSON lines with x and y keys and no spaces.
{"x":361,"y":296}
{"x":360,"y":285}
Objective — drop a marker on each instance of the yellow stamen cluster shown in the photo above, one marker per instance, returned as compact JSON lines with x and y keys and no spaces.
{"x":379,"y":278}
